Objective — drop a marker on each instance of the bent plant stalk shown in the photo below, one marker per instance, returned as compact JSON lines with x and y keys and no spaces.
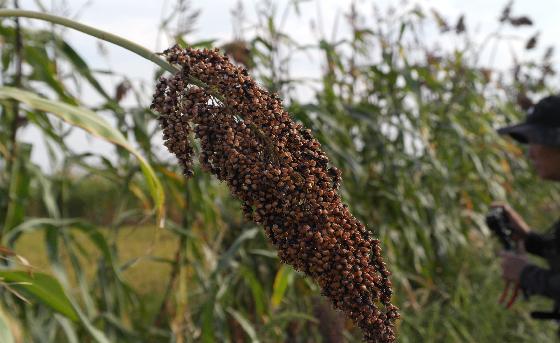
{"x":275,"y":167}
{"x":103,"y":35}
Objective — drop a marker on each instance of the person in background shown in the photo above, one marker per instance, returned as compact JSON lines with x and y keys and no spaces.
{"x":541,"y":132}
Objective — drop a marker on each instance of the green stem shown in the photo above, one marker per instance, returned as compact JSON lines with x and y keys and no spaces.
{"x":106,"y":36}
{"x":109,"y":37}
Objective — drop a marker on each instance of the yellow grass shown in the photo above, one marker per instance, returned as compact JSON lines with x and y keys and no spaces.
{"x":146,"y":276}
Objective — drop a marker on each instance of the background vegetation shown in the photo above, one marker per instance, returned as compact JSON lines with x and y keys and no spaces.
{"x":410,"y":124}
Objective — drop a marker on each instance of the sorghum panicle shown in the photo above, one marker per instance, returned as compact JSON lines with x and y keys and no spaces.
{"x":283,"y":178}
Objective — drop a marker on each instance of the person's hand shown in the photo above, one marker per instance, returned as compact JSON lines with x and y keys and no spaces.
{"x":512,"y":265}
{"x":518,"y":225}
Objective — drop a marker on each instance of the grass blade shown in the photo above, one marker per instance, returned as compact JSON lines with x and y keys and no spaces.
{"x":283,"y":278}
{"x":245,"y":324}
{"x":44,"y":288}
{"x":96,"y":125}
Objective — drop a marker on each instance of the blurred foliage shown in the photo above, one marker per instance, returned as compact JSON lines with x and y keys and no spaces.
{"x":411,"y":125}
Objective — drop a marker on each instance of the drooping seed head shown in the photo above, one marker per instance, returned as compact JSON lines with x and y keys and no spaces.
{"x":283,"y":178}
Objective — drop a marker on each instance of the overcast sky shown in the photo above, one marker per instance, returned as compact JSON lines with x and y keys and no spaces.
{"x":137,"y":20}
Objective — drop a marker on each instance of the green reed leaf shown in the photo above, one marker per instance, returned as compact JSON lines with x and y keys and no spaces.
{"x":44,"y":288}
{"x":96,"y":125}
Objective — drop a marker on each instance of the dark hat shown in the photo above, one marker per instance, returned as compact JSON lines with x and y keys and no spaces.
{"x":542,"y":125}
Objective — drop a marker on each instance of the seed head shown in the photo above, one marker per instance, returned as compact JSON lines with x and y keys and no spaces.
{"x":283,"y":179}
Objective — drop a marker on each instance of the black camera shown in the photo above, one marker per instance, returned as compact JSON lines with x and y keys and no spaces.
{"x":499,"y":224}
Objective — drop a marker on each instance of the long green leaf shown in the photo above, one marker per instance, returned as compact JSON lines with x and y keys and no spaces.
{"x":227,"y":257}
{"x":81,"y":66}
{"x":19,"y":189}
{"x":283,"y":278}
{"x":245,"y":324}
{"x":44,"y":288}
{"x":68,"y":329}
{"x":208,"y":320}
{"x":96,"y":125}
{"x":256,"y":289}
{"x":106,"y":36}
{"x":44,"y":70}
{"x":52,"y":226}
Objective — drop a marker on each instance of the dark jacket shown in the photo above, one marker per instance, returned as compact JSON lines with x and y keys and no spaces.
{"x":540,"y":281}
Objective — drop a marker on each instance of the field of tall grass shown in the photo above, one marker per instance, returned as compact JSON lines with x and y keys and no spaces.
{"x":87,"y":256}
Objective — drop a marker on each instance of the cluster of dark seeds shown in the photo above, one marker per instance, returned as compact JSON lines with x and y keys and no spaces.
{"x":277,"y":169}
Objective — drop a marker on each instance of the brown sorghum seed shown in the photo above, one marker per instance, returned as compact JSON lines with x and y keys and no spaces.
{"x":283,"y":178}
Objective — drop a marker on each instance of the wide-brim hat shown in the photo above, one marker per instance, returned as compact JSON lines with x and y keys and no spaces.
{"x":542,"y":125}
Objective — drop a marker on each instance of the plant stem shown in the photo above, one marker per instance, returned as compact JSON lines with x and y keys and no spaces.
{"x":103,"y":35}
{"x":11,"y":162}
{"x":180,"y":260}
{"x":18,"y":44}
{"x":109,"y":37}
{"x":18,"y":49}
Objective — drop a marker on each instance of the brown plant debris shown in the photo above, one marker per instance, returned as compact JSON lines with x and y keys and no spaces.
{"x":283,"y":178}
